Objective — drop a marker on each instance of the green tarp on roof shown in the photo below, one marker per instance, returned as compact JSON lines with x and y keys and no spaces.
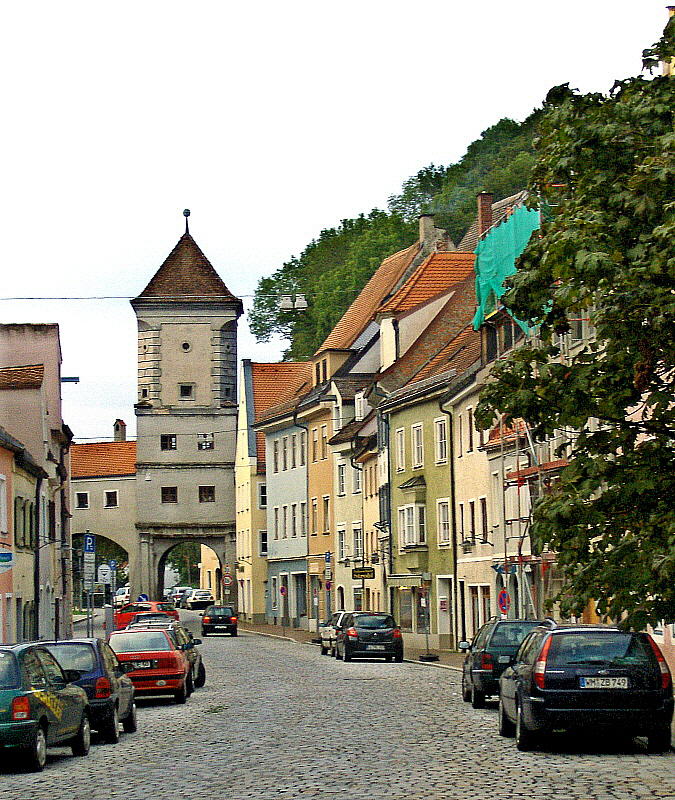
{"x":496,"y":256}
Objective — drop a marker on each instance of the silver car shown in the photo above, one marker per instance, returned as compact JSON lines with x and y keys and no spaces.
{"x":327,"y":632}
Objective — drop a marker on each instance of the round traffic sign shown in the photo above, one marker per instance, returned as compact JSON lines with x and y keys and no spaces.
{"x":504,"y":601}
{"x":227,"y":580}
{"x":282,"y":591}
{"x":142,"y":598}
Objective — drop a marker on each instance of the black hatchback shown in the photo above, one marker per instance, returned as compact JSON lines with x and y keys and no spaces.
{"x":219,"y":619}
{"x":489,"y":654}
{"x":369,"y":635}
{"x":591,"y":677}
{"x":110,"y":691}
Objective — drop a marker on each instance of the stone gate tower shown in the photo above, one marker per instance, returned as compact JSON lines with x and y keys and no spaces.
{"x":186,"y":415}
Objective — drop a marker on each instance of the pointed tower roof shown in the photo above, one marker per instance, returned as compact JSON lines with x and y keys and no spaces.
{"x":186,"y":275}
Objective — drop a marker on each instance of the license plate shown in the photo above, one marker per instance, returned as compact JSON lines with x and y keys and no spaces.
{"x":142,"y":664}
{"x":603,"y":683}
{"x":504,"y":659}
{"x":375,"y":647}
{"x":221,"y":627}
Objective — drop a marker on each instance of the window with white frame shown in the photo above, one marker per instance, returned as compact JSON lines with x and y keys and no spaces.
{"x":303,"y":519}
{"x":460,"y":521}
{"x":472,"y":520}
{"x":111,"y":500}
{"x":262,"y":495}
{"x":303,"y":448}
{"x":276,"y":522}
{"x":262,"y":539}
{"x":417,"y":435}
{"x":276,"y":455}
{"x":324,"y":442}
{"x":412,"y":525}
{"x":443,"y":519}
{"x":441,"y":439}
{"x":400,"y":450}
{"x":275,"y":596}
{"x":284,"y":522}
{"x":294,"y":450}
{"x":81,"y":499}
{"x":359,"y":406}
{"x":357,"y":532}
{"x":315,"y":444}
{"x":469,"y":430}
{"x":356,"y":481}
{"x":341,"y":543}
{"x":284,"y":453}
{"x":314,"y":527}
{"x":341,"y":469}
{"x":205,"y":441}
{"x":326,"y":514}
{"x":459,"y":426}
{"x":294,"y":519}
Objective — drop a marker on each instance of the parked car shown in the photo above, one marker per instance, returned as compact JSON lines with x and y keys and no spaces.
{"x":197,"y":598}
{"x":124,"y":615}
{"x":159,"y":665}
{"x":219,"y":619}
{"x":489,"y":654}
{"x":41,"y":706}
{"x":145,"y":617}
{"x":121,"y":596}
{"x":178,"y":592}
{"x":586,"y":677}
{"x":181,"y":636}
{"x":328,"y":631}
{"x":110,"y":691}
{"x":368,"y":634}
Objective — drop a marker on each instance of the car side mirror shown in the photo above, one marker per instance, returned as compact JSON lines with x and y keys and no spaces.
{"x":72,"y":675}
{"x":464,"y":646}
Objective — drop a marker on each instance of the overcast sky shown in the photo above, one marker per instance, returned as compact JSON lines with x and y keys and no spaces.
{"x":269,"y":120}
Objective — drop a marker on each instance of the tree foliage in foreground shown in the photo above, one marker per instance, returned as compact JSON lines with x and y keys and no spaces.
{"x":607,"y":250}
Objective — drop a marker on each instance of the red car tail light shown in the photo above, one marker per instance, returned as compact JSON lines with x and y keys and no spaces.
{"x":102,"y":688}
{"x":539,"y":672}
{"x":663,"y":667}
{"x":351,"y":633}
{"x":486,"y":661}
{"x":206,"y":620}
{"x":396,"y":633}
{"x":233,"y":620}
{"x":20,"y":709}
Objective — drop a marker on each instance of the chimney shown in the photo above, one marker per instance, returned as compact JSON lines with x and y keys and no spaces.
{"x":120,"y":430}
{"x":427,"y":230}
{"x":484,"y":213}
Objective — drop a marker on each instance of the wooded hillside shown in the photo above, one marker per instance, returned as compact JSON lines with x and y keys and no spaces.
{"x":333,"y":268}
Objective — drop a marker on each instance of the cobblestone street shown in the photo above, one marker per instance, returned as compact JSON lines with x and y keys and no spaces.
{"x":276,"y":719}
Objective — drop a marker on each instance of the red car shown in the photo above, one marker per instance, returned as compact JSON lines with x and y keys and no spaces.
{"x":159,"y":665}
{"x":126,"y":614}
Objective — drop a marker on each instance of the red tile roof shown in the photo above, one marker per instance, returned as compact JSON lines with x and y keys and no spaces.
{"x":508,"y":430}
{"x":434,"y":276}
{"x":362,"y":310}
{"x":24,"y":377}
{"x":102,"y":459}
{"x":528,"y":472}
{"x":274,"y":384}
{"x":186,"y":272}
{"x":458,"y":354}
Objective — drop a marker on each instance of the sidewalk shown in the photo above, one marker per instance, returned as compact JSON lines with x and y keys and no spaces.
{"x":445,"y":659}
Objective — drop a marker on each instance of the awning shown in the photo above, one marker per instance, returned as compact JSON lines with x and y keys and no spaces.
{"x":406,"y":581}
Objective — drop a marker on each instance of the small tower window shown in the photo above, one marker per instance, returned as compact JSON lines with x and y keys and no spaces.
{"x":186,"y":346}
{"x":169,"y":494}
{"x":144,"y":393}
{"x":186,"y":391}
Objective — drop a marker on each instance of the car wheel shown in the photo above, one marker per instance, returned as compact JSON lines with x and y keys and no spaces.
{"x":346,"y":655}
{"x":337,"y":653}
{"x":110,"y":730}
{"x":190,"y":686}
{"x":324,"y":650}
{"x":201,"y":676}
{"x":81,"y":743}
{"x":477,"y":698}
{"x":181,"y":695}
{"x":234,"y":632}
{"x":130,"y":722}
{"x":466,"y":692}
{"x":398,"y":658}
{"x":388,"y":659}
{"x":524,"y":736}
{"x":36,"y":751}
{"x":204,"y":633}
{"x":658,"y":741}
{"x":506,"y":727}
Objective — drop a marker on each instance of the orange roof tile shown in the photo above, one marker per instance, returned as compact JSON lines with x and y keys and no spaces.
{"x":361,"y":311}
{"x":102,"y":459}
{"x":274,"y":384}
{"x":508,"y":430}
{"x":435,"y":275}
{"x":24,"y":377}
{"x":529,"y":472}
{"x":458,"y":354}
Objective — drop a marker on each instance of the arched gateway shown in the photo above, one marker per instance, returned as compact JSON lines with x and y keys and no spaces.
{"x":176,"y":482}
{"x":186,"y":412}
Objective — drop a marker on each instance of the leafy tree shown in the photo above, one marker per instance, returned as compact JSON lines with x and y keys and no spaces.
{"x":184,"y":558}
{"x":605,"y":164}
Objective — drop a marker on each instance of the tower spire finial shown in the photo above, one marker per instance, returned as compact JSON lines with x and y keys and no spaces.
{"x":186,"y":214}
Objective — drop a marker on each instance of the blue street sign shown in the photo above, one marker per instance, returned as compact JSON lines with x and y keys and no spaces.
{"x":112,"y":563}
{"x":142,"y":598}
{"x":327,"y":557}
{"x":89,"y":543}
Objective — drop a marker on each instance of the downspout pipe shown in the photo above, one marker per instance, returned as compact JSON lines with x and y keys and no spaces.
{"x":36,"y":560}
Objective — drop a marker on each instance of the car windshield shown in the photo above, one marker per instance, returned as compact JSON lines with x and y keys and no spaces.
{"x":139,"y":642}
{"x":9,"y":674}
{"x":74,"y":656}
{"x":511,"y":634}
{"x":150,"y":617}
{"x":595,"y":647}
{"x":166,"y":607}
{"x":374,"y":621}
{"x":219,"y":611}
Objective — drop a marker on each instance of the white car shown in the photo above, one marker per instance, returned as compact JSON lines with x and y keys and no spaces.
{"x":198,"y":598}
{"x":121,"y":596}
{"x":327,"y":631}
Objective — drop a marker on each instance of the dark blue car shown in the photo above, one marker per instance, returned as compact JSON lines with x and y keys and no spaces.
{"x":104,"y":679}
